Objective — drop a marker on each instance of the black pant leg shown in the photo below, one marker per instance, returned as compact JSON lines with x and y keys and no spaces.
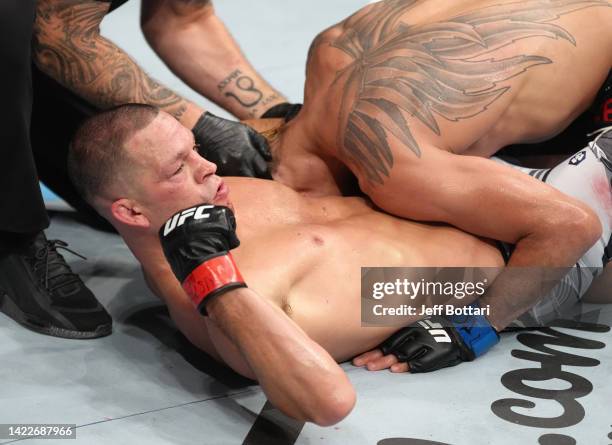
{"x":21,"y":205}
{"x":56,"y":115}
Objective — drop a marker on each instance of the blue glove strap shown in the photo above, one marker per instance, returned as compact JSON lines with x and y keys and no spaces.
{"x":475,"y":331}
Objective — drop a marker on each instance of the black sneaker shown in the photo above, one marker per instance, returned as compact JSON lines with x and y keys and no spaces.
{"x":39,"y":291}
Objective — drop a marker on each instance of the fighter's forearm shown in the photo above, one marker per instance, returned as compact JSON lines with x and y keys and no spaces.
{"x":197,"y":47}
{"x":534,"y":269}
{"x":549,"y":228}
{"x":68,"y":47}
{"x":164,"y":285}
{"x":297,"y":375}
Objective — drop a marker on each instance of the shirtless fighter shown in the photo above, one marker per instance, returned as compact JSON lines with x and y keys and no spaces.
{"x":300,"y":255}
{"x":411,"y":96}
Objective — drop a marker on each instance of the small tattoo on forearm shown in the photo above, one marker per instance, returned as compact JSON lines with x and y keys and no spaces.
{"x":270,"y":99}
{"x":225,"y":82}
{"x":250,"y":94}
{"x":254,"y":112}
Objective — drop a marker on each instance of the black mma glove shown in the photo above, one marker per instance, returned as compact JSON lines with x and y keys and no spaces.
{"x":237,"y":149}
{"x":440,"y":342}
{"x":285,"y":110}
{"x":196,"y":243}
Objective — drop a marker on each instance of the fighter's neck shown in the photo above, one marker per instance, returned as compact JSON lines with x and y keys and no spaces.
{"x":301,"y":162}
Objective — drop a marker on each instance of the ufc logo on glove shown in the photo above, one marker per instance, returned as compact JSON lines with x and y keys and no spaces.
{"x":197,"y":243}
{"x":179,"y":219}
{"x":436,"y":330}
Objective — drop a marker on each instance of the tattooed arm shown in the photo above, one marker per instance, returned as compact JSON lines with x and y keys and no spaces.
{"x":549,"y":229}
{"x":69,"y":48}
{"x":198,"y":48}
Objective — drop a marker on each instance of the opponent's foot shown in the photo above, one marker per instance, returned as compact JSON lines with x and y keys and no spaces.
{"x":39,"y":290}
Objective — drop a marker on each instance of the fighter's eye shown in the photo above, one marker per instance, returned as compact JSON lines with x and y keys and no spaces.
{"x":178,"y":170}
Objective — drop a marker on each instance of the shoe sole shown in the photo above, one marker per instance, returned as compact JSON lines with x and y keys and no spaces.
{"x":12,"y":310}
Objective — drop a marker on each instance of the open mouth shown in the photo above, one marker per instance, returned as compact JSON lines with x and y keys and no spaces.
{"x":222,"y":191}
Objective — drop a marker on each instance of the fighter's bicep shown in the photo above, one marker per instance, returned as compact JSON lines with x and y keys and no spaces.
{"x":472,"y":193}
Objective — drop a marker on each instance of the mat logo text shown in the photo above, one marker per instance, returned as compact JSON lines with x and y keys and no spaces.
{"x":551,"y":362}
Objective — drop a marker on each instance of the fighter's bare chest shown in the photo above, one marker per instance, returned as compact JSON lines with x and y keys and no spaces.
{"x":275,"y":262}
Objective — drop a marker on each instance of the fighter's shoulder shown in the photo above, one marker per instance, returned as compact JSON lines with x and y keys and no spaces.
{"x":325,"y":38}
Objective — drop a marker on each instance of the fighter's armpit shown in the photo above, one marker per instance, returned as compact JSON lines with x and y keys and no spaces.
{"x":448,"y":69}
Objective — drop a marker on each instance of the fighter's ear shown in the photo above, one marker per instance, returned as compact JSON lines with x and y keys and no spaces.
{"x":128,"y":212}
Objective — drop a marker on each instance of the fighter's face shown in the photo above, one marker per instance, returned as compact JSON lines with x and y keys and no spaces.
{"x":172,"y":175}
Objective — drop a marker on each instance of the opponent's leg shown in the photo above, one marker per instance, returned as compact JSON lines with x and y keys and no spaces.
{"x":600,"y":291}
{"x":51,"y":139}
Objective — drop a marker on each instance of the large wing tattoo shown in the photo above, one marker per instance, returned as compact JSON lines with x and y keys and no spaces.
{"x":438,"y":69}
